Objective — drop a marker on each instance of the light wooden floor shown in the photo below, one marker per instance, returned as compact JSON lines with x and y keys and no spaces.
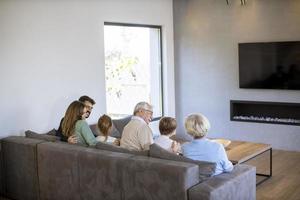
{"x":285,"y":181}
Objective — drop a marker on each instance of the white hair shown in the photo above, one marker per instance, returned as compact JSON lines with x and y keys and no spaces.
{"x":142,"y":105}
{"x":197,"y":125}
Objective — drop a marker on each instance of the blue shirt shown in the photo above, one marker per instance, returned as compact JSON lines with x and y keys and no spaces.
{"x":206,"y":150}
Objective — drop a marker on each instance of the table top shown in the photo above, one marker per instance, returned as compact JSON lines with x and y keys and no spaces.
{"x":240,"y":151}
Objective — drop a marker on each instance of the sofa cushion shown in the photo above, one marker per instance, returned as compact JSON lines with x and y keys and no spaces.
{"x":114,"y":148}
{"x":206,"y":169}
{"x":119,"y":125}
{"x":95,"y":129}
{"x":51,"y":132}
{"x":46,"y":136}
{"x":115,"y":133}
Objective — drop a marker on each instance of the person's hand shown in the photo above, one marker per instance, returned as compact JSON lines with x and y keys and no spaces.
{"x":175,"y":147}
{"x":117,"y":142}
{"x":72,"y":139}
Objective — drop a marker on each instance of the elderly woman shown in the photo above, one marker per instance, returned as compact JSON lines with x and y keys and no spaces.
{"x":201,"y":148}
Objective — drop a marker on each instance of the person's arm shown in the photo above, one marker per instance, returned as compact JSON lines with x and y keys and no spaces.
{"x":72,"y":139}
{"x":227,"y":165}
{"x":87,"y":134}
{"x":145,"y":137}
{"x":175,"y":147}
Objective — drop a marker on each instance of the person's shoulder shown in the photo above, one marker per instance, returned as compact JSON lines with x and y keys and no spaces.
{"x":158,"y":138}
{"x":214,"y":144}
{"x":81,"y":122}
{"x":186,"y":144}
{"x":144,"y":127}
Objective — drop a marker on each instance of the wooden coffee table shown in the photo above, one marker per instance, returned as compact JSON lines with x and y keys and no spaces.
{"x":239,"y":152}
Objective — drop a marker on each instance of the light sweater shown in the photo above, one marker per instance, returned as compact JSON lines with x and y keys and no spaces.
{"x":136,"y":135}
{"x":207,"y":150}
{"x":84,"y":133}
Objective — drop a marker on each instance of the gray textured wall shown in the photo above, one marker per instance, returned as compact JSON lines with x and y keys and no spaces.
{"x":206,"y":35}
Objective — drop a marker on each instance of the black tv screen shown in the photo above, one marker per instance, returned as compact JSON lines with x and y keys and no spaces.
{"x":271,"y":65}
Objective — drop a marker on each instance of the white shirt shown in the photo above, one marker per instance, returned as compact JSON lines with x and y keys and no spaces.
{"x":136,"y":135}
{"x":101,"y":138}
{"x":164,"y":142}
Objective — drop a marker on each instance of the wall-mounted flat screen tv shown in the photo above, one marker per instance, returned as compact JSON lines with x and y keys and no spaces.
{"x":269,"y":65}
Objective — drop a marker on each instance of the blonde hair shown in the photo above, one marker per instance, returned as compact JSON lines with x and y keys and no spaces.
{"x":197,"y":125}
{"x":73,"y":114}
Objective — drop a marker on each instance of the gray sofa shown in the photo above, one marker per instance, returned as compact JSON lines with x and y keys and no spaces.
{"x":39,"y":169}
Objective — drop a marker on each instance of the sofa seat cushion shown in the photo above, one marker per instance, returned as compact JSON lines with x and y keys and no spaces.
{"x":114,"y":148}
{"x":49,"y":136}
{"x":206,"y":169}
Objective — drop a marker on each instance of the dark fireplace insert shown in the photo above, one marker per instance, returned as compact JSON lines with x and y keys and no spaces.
{"x":265,"y":112}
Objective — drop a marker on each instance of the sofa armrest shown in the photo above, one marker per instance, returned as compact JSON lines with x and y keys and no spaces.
{"x":19,"y":167}
{"x":238,"y":184}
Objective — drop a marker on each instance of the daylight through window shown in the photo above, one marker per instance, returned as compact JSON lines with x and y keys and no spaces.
{"x":133,"y":68}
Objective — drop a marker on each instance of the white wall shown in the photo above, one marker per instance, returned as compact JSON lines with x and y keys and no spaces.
{"x":206,"y":35}
{"x":52,"y":52}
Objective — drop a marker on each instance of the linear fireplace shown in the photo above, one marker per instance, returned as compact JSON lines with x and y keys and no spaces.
{"x":265,"y":112}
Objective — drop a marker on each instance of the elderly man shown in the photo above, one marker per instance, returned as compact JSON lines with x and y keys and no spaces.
{"x":137,"y":134}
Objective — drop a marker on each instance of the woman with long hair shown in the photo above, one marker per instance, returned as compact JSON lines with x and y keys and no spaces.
{"x":74,"y":124}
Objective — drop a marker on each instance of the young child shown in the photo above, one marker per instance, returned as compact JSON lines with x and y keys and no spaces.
{"x":105,"y":127}
{"x":167,"y":128}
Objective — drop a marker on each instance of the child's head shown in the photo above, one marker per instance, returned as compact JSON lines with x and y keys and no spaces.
{"x":167,"y":126}
{"x":105,"y":125}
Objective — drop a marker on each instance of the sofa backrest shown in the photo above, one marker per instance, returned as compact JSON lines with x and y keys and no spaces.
{"x":20,"y":167}
{"x":74,"y":172}
{"x":58,"y":170}
{"x":206,"y":169}
{"x":49,"y":137}
{"x":115,"y":148}
{"x":118,"y":126}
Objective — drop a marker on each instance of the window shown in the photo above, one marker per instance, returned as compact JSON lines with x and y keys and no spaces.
{"x":133,"y":68}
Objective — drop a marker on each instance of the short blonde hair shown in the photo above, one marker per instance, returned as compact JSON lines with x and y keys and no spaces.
{"x":197,"y":125}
